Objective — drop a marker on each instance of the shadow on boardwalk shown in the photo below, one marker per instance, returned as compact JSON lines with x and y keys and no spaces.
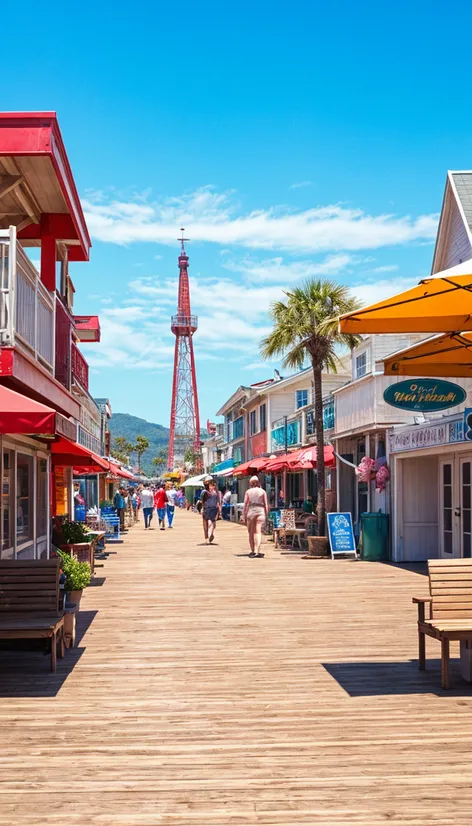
{"x":376,"y":679}
{"x":25,"y":664}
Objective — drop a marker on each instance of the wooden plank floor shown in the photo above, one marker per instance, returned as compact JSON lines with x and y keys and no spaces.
{"x":211,"y":689}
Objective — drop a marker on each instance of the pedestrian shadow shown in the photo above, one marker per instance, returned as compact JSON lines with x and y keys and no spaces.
{"x":376,"y":679}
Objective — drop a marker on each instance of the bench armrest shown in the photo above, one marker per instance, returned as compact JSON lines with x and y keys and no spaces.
{"x":421,"y":602}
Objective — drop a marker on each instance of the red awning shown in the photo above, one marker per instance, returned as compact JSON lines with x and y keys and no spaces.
{"x":308,"y":454}
{"x":74,"y":455}
{"x":254,"y":466}
{"x":19,"y":414}
{"x":116,"y":470}
{"x":302,"y":459}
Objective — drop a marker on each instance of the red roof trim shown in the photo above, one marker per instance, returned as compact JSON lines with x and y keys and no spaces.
{"x":38,"y":133}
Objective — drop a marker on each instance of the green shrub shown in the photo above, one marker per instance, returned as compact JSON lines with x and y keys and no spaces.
{"x":73,"y":532}
{"x":77,"y":573}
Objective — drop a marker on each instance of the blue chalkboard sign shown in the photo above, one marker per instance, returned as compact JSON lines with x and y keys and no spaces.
{"x":341,"y":534}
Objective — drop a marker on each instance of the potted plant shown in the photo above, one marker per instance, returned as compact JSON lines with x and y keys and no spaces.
{"x":77,"y":576}
{"x":73,"y":533}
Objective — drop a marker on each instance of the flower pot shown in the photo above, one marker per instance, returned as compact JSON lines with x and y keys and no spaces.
{"x":76,"y":596}
{"x":69,"y":627}
{"x":318,"y":547}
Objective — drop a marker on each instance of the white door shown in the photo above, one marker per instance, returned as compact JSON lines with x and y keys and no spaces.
{"x":449,"y":510}
{"x":465,"y":510}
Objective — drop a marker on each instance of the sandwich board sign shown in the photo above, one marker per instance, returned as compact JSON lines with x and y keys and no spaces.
{"x":341,"y":534}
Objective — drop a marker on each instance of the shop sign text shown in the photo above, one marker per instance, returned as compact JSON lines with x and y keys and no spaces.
{"x":424,"y":395}
{"x":427,"y":436}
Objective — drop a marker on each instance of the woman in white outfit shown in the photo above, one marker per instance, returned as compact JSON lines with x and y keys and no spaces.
{"x":255,"y":514}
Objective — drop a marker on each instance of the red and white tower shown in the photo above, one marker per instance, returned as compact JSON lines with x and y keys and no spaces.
{"x":184,"y":416}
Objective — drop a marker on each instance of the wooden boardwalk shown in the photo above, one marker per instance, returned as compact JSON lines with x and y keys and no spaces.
{"x":212,"y":689}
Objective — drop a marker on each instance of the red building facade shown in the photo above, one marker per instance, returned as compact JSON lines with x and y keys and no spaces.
{"x":40,"y":356}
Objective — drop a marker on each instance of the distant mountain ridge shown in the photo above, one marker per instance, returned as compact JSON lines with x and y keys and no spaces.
{"x":123,"y":424}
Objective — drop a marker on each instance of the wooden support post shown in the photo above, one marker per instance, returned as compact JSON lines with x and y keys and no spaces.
{"x":445,"y":663}
{"x":421,"y":639}
{"x":48,"y":262}
{"x":54,"y":651}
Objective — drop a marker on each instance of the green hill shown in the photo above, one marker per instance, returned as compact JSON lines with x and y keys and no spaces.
{"x":122,"y":424}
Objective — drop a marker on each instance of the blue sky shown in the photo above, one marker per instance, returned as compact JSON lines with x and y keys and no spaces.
{"x":289,"y":138}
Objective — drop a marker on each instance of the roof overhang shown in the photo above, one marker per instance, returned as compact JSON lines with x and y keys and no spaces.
{"x":87,"y":327}
{"x":37,"y":189}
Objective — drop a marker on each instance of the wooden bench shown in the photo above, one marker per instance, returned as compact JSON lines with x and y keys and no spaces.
{"x":29,"y":602}
{"x":450,"y":609}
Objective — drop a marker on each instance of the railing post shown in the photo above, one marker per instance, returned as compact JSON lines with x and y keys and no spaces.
{"x":36,"y":299}
{"x":12,"y":269}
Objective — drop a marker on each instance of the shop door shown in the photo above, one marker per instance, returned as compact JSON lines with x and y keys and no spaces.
{"x":465,"y":475}
{"x":449,"y":510}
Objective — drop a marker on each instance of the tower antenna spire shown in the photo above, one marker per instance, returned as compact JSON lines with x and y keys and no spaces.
{"x":184,"y":415}
{"x":182,"y":240}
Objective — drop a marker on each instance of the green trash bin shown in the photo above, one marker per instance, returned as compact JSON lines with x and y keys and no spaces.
{"x":374,"y":537}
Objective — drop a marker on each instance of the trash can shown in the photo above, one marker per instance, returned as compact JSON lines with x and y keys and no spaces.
{"x":374,"y":537}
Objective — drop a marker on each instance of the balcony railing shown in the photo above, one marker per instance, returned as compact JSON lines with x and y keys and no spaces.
{"x":26,"y":306}
{"x":80,"y":370}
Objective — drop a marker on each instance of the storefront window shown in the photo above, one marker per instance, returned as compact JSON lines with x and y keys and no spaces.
{"x":42,"y":509}
{"x":7,"y":505}
{"x":24,"y":506}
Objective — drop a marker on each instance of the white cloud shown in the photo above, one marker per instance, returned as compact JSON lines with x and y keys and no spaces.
{"x":215,"y":217}
{"x":276,"y":271}
{"x":301,"y":184}
{"x":370,"y":293}
{"x":386,"y":268}
{"x":256,"y":365}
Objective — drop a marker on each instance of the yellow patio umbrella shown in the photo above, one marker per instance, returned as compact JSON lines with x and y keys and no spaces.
{"x":440,"y":304}
{"x":446,"y":356}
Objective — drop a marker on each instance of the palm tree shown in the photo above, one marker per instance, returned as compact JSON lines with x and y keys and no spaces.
{"x":160,"y":460}
{"x":121,"y":449}
{"x":139,"y":448}
{"x":306,"y":328}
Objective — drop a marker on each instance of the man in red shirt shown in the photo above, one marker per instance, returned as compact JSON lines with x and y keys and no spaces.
{"x":160,"y":502}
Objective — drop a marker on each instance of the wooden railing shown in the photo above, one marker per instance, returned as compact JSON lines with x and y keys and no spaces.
{"x":80,"y":370}
{"x":26,"y":306}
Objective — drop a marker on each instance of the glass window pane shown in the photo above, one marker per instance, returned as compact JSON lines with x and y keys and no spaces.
{"x":42,"y":491}
{"x":447,"y":474}
{"x":447,"y":496}
{"x":466,"y":473}
{"x":448,"y":543}
{"x":7,"y":505}
{"x":466,"y":521}
{"x":447,"y":519}
{"x":466,"y":544}
{"x":24,"y":498}
{"x":466,"y":496}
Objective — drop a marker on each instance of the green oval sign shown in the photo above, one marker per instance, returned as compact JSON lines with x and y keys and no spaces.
{"x":424,"y":394}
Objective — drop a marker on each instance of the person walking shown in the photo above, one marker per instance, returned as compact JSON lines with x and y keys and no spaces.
{"x":211,"y":510}
{"x":170,"y":505}
{"x":119,"y":505}
{"x":147,"y":501}
{"x":255,"y":514}
{"x":160,"y":502}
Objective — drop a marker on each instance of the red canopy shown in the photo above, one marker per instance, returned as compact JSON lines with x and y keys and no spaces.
{"x":74,"y":455}
{"x":19,"y":414}
{"x":302,"y":459}
{"x":116,"y":470}
{"x":253,"y":466}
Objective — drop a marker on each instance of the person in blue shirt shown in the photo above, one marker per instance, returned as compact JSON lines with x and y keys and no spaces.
{"x":119,"y":505}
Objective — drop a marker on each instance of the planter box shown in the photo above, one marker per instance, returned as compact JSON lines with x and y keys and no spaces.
{"x":82,"y":550}
{"x":318,"y":546}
